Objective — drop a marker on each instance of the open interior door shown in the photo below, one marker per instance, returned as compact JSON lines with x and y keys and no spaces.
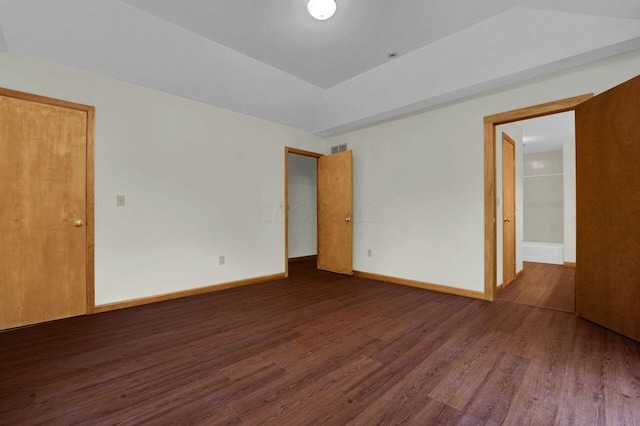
{"x":608,"y":209}
{"x":335,"y":213}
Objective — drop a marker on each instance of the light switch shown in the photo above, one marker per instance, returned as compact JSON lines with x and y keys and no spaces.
{"x":221,"y":260}
{"x":120,"y":200}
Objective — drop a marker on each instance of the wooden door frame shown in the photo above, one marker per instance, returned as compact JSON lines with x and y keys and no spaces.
{"x":89,"y":219}
{"x":510,"y":140}
{"x":288,"y":150}
{"x":490,"y":123}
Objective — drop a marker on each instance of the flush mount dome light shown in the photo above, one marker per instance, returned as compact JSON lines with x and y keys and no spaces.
{"x":322,"y":9}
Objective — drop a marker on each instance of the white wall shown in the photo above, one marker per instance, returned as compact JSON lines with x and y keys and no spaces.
{"x":569,"y":175}
{"x":303,"y":236}
{"x":515,"y":131}
{"x":199,"y":181}
{"x":544,"y":197}
{"x":419,"y":181}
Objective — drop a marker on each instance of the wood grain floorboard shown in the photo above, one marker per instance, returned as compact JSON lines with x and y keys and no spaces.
{"x":544,"y":285}
{"x":320,"y":348}
{"x":493,"y":397}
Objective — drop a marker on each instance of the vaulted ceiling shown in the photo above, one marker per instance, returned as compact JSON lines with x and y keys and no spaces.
{"x":270,"y":59}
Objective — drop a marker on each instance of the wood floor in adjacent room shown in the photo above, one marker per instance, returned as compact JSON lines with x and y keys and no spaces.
{"x":319,"y":348}
{"x":544,"y":285}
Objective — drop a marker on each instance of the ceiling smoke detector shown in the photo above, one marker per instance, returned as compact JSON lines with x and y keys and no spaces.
{"x":322,"y":9}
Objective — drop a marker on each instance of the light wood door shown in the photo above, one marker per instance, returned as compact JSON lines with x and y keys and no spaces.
{"x":43,"y":150}
{"x":608,"y":209}
{"x":508,"y":209}
{"x":335,"y":211}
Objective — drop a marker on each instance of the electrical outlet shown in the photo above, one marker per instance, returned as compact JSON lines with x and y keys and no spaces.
{"x":120,"y":200}
{"x":221,"y":260}
{"x":369,"y":252}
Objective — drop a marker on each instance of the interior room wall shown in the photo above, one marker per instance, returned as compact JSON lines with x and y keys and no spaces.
{"x":419,"y":180}
{"x":569,"y":174}
{"x":303,"y":237}
{"x":544,"y":197}
{"x":515,"y":131}
{"x":202,"y":181}
{"x":199,"y":182}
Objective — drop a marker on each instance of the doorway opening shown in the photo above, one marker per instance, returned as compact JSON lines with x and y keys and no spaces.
{"x":300,"y":208}
{"x":491,"y":149}
{"x":607,"y":154}
{"x":538,"y":225}
{"x":333,"y":210}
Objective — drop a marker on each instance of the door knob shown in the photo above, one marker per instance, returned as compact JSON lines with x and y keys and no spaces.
{"x":348,"y":219}
{"x":78,"y":223}
{"x":507,"y":220}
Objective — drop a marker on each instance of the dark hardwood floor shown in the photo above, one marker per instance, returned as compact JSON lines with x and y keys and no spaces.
{"x":320,"y":348}
{"x":544,"y":285}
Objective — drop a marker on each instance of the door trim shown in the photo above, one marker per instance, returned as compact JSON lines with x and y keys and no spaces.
{"x":490,"y":123}
{"x":288,"y":150}
{"x":89,"y":219}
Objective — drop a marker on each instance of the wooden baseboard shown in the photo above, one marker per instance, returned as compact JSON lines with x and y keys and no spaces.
{"x":419,"y":284}
{"x":303,"y":258}
{"x":569,"y":264}
{"x":185,"y":293}
{"x":502,"y":286}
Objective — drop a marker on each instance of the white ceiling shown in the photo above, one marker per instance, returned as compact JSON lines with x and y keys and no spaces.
{"x":270,"y":59}
{"x":359,"y":37}
{"x":547,"y":133}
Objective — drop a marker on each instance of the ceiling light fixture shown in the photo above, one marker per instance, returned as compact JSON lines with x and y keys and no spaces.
{"x":322,"y":9}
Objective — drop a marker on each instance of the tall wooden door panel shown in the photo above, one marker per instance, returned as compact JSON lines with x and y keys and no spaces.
{"x":608,"y":209}
{"x":335,"y":209}
{"x":43,"y":150}
{"x":508,"y":209}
